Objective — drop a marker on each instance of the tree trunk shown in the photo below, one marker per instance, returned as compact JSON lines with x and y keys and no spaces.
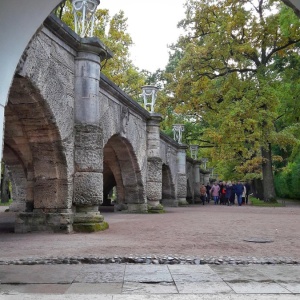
{"x":268,"y":178}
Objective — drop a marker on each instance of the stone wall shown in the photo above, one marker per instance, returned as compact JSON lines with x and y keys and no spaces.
{"x":71,"y":135}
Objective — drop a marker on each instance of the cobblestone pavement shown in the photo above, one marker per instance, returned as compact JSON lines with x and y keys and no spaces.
{"x":195,"y":252}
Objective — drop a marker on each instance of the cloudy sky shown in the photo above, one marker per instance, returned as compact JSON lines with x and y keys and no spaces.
{"x":152,"y":25}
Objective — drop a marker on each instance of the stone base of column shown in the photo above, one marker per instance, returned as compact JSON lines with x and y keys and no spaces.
{"x":154,"y":207}
{"x":182,"y":202}
{"x":169,"y":202}
{"x":88,"y":219}
{"x":38,"y":220}
{"x":141,"y":208}
{"x":120,"y":207}
{"x":18,"y":206}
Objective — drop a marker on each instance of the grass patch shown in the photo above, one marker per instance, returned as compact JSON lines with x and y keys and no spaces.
{"x":257,"y":202}
{"x":6,"y":203}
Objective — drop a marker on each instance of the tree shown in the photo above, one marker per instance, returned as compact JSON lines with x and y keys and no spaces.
{"x":226,"y":75}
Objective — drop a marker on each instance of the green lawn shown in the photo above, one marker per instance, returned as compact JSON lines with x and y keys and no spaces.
{"x":257,"y":202}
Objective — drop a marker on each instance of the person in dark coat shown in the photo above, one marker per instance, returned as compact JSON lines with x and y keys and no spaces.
{"x":228,"y":193}
{"x":222,"y":192}
{"x":239,"y":188}
{"x":208,"y":188}
{"x":232,"y":196}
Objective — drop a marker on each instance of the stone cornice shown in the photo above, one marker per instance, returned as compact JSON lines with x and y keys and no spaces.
{"x":111,"y":88}
{"x":67,"y":35}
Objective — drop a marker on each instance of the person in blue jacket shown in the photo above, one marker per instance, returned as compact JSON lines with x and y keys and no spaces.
{"x":239,"y":188}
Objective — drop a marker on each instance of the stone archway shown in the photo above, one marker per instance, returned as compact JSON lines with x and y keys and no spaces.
{"x":121,"y":169}
{"x":36,"y":156}
{"x":168,"y":187}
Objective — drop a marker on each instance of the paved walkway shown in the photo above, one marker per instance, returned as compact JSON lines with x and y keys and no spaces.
{"x":194,"y":231}
{"x":133,"y":281}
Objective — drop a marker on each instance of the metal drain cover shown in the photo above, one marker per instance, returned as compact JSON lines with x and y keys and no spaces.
{"x":258,"y":240}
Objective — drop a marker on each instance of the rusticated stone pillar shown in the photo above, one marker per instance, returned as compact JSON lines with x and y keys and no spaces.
{"x":197,"y":181}
{"x":154,"y":164}
{"x":181,"y":176}
{"x":88,"y":179}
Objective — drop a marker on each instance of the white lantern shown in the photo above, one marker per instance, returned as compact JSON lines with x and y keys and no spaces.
{"x":204,"y":160}
{"x":177,"y":130}
{"x":149,"y":94}
{"x":84,"y":16}
{"x":194,"y":151}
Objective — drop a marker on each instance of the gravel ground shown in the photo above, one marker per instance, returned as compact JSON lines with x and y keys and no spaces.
{"x":193,"y":231}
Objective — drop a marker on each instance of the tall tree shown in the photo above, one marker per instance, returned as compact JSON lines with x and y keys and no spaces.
{"x":225,"y":74}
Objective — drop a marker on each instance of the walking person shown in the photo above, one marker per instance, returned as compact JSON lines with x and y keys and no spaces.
{"x":239,"y":188}
{"x":244,"y":195}
{"x":203,"y":193}
{"x":215,"y":190}
{"x":247,"y":185}
{"x":228,"y":193}
{"x":222,"y":192}
{"x":208,"y":188}
{"x":232,"y":196}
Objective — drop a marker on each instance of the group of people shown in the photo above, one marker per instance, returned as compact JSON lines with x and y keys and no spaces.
{"x":225,"y":193}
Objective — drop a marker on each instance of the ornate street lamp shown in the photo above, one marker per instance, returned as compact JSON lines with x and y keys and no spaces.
{"x":211,"y":170}
{"x":149,"y":94}
{"x":204,"y":160}
{"x":177,"y":130}
{"x":194,"y":151}
{"x":84,"y":16}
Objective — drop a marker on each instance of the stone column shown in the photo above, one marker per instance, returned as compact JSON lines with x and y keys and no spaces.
{"x":88,"y":179}
{"x":154,"y":164}
{"x":197,"y":181}
{"x":206,"y":177}
{"x":181,"y":176}
{"x":201,"y":177}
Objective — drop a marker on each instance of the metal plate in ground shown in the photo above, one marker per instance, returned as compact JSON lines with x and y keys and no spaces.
{"x":258,"y":240}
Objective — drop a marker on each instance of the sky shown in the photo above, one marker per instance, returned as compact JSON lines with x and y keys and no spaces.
{"x":152,"y":26}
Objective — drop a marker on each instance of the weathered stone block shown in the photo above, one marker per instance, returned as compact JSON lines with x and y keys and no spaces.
{"x":88,"y":160}
{"x":137,"y":208}
{"x":154,"y":169}
{"x":88,"y":190}
{"x":52,"y":193}
{"x":154,"y":191}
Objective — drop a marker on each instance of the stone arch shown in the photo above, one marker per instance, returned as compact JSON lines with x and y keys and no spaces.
{"x":121,"y":169}
{"x":31,"y":134}
{"x":168,"y":187}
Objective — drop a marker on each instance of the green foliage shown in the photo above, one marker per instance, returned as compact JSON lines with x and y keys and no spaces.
{"x":6,"y":203}
{"x":287,"y":182}
{"x":229,"y":71}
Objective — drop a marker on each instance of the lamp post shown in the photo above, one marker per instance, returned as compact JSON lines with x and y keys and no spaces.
{"x":204,"y":160}
{"x":177,"y":130}
{"x":84,"y":16}
{"x":149,"y":94}
{"x":194,"y":151}
{"x":211,"y":170}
